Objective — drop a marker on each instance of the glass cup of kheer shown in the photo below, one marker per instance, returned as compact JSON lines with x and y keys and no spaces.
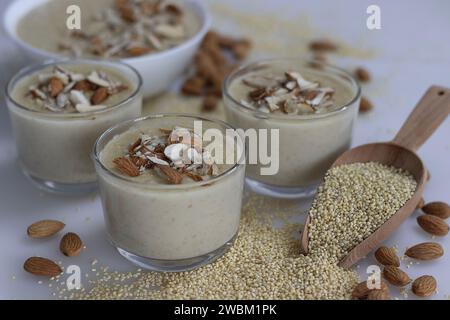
{"x":58,"y":110}
{"x":313,"y":105}
{"x":171,"y":199}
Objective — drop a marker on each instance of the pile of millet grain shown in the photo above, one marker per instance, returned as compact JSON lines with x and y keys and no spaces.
{"x":353,"y":202}
{"x":265,"y":262}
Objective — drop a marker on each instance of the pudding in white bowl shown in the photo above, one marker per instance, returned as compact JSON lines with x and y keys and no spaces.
{"x":158,"y":38}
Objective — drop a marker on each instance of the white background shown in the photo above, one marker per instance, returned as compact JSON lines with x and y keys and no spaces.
{"x":410,"y":53}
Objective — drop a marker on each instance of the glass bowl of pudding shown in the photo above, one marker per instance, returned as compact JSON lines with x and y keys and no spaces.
{"x":310,"y":105}
{"x":59,"y":109}
{"x":171,"y":189}
{"x":158,"y":38}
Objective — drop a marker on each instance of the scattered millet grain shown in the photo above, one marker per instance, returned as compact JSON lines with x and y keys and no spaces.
{"x":264,"y":263}
{"x":353,"y":202}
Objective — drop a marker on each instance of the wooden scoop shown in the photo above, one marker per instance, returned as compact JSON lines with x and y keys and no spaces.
{"x":431,"y":111}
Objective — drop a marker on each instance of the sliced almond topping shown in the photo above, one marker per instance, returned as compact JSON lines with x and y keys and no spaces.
{"x":83,"y":85}
{"x":170,"y":31}
{"x":56,"y":86}
{"x":173,"y":176}
{"x":77,"y":97}
{"x":100,"y":95}
{"x":126,"y":166}
{"x":137,"y":51}
{"x":193,"y":176}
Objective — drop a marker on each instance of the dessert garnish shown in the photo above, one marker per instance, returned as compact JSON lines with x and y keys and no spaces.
{"x":130,"y":28}
{"x":288,"y":94}
{"x":174,"y":154}
{"x":66,"y":91}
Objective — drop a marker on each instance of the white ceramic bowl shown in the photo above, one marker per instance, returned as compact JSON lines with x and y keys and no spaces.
{"x":158,"y":70}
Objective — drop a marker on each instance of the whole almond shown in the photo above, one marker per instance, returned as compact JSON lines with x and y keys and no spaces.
{"x":425,"y":251}
{"x":361,"y":291}
{"x":438,"y":209}
{"x":210,"y":103}
{"x":42,"y":267}
{"x":323,"y":45}
{"x":433,"y":224}
{"x":365,"y":105}
{"x":44,"y":228}
{"x":56,"y":86}
{"x":100,"y":95}
{"x":378,"y":295}
{"x":396,"y":276}
{"x":71,"y":244}
{"x":424,"y":286}
{"x":387,"y":257}
{"x":362,"y":75}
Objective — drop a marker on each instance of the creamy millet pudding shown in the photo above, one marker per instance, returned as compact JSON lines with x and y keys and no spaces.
{"x":109,"y":28}
{"x":169,"y":203}
{"x":314,"y":109}
{"x":58,"y":110}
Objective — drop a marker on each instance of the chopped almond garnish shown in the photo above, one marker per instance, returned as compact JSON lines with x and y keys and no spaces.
{"x":136,"y":144}
{"x":194,"y":177}
{"x":173,"y":176}
{"x":56,"y":86}
{"x":126,"y":166}
{"x":100,"y":95}
{"x":138,"y":51}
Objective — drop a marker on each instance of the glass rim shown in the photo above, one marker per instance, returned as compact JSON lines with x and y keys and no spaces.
{"x":96,"y":152}
{"x":324,"y":67}
{"x":29,"y":70}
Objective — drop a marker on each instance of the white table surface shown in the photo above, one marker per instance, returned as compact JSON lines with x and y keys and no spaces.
{"x":410,"y":53}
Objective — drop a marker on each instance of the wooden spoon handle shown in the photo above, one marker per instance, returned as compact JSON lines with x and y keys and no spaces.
{"x":427,"y":116}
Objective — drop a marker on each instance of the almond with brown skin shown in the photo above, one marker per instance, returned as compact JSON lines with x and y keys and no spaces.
{"x":425,"y":251}
{"x":100,"y":95}
{"x":396,"y":276}
{"x":83,"y":85}
{"x":365,"y":105}
{"x":378,"y":295}
{"x":433,"y":224}
{"x":424,"y":286}
{"x":438,"y":209}
{"x":56,"y":86}
{"x":241,"y":49}
{"x":42,"y":267}
{"x":193,"y":86}
{"x":127,"y":167}
{"x":44,"y":228}
{"x":361,"y":291}
{"x":71,"y":244}
{"x":210,"y":103}
{"x":323,"y":45}
{"x":387,"y":257}
{"x":173,"y":176}
{"x":362,"y":75}
{"x":137,"y":51}
{"x":193,"y":176}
